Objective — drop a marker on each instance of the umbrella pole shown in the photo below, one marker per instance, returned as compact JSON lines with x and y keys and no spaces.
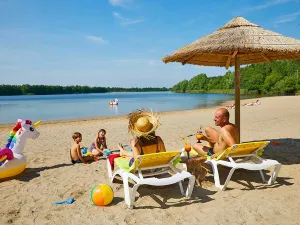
{"x":237,"y":97}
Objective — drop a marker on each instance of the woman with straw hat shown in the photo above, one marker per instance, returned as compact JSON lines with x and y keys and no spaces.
{"x":142,"y":125}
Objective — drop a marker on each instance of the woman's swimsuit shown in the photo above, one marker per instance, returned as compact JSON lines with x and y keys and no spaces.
{"x":142,"y":152}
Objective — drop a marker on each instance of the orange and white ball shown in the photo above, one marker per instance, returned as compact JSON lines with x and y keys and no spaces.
{"x":102,"y":195}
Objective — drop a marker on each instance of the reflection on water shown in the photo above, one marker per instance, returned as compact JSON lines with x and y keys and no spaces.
{"x":59,"y":107}
{"x":114,"y":109}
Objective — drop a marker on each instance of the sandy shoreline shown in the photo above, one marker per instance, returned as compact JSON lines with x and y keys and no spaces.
{"x":49,"y":177}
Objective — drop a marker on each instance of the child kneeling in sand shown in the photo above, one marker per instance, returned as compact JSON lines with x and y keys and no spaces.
{"x":75,"y":152}
{"x":99,"y":144}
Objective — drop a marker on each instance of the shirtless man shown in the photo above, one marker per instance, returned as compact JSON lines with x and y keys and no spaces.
{"x":218,"y":140}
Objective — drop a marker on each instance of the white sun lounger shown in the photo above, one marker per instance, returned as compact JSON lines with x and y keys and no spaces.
{"x":244,"y":156}
{"x":163,"y":161}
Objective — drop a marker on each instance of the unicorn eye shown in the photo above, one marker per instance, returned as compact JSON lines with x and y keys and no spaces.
{"x":31,"y":129}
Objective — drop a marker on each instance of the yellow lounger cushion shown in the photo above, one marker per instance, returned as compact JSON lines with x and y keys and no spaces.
{"x":146,"y":161}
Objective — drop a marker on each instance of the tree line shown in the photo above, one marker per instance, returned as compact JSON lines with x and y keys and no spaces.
{"x":278,"y":77}
{"x":27,"y":89}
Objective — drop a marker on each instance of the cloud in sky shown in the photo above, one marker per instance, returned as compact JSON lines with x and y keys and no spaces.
{"x":287,"y":18}
{"x":121,"y":3}
{"x":126,"y":21}
{"x":96,"y":39}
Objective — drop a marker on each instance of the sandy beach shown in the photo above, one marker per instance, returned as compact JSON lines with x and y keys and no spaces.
{"x":50,"y":177}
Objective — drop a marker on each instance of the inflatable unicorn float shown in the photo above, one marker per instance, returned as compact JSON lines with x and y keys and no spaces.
{"x":12,"y":160}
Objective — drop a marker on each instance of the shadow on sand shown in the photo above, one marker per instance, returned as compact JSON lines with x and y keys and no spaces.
{"x":169,"y":195}
{"x":30,"y":173}
{"x":284,"y":150}
{"x":249,"y":179}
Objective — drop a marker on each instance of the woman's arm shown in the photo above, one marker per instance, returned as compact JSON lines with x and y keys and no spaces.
{"x":161,"y":145}
{"x":134,"y":147}
{"x":104,"y":143}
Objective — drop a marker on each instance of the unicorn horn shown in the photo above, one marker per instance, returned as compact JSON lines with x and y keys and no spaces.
{"x":37,"y":123}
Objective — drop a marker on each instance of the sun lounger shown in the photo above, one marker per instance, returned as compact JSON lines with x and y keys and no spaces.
{"x":153,"y":165}
{"x":243,"y":156}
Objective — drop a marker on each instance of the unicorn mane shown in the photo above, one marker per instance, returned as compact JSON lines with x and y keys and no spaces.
{"x":12,"y":134}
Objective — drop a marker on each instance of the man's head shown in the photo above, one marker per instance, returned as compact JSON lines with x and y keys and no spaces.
{"x":221,"y":117}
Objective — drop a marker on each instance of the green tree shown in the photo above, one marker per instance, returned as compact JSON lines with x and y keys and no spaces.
{"x":198,"y":83}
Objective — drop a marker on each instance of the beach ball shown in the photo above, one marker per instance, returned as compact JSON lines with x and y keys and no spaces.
{"x":101,"y":194}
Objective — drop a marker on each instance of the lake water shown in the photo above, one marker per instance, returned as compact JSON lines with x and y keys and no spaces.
{"x":60,"y":107}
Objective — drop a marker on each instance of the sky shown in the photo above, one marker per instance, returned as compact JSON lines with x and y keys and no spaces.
{"x":120,"y":43}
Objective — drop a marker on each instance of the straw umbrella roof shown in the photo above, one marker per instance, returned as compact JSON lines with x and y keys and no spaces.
{"x":238,"y":37}
{"x":238,"y":42}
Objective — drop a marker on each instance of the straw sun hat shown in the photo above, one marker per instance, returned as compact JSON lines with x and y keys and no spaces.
{"x":143,"y":122}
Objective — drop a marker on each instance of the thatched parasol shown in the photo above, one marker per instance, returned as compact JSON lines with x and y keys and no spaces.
{"x":238,"y":42}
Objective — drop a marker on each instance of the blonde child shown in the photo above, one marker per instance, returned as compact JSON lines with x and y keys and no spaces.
{"x":75,"y":152}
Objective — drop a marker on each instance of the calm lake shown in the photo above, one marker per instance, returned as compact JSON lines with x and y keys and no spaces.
{"x":60,"y":107}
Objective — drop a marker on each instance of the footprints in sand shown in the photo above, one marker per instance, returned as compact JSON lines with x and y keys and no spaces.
{"x":13,"y":215}
{"x":78,"y":193}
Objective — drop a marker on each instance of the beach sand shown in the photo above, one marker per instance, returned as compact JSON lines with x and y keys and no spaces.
{"x":49,"y":176}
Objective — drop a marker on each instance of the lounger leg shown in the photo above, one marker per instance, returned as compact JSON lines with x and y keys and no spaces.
{"x":274,"y":174}
{"x":228,"y":179}
{"x":126,"y":190}
{"x":216,"y":175}
{"x":109,"y":171}
{"x":262,"y":176}
{"x":134,"y":189}
{"x":181,"y":187}
{"x":190,"y":187}
{"x":118,"y":172}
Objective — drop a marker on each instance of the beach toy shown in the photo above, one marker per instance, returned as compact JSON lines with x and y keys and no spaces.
{"x":84,"y":150}
{"x":101,"y":195}
{"x":113,"y":103}
{"x":3,"y":159}
{"x":68,"y":201}
{"x":5,"y":154}
{"x":12,"y":160}
{"x":106,"y":152}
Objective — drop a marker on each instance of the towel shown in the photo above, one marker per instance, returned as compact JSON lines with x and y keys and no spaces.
{"x":111,"y":159}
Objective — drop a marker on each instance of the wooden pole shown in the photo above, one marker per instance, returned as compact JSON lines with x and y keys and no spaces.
{"x":237,"y":97}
